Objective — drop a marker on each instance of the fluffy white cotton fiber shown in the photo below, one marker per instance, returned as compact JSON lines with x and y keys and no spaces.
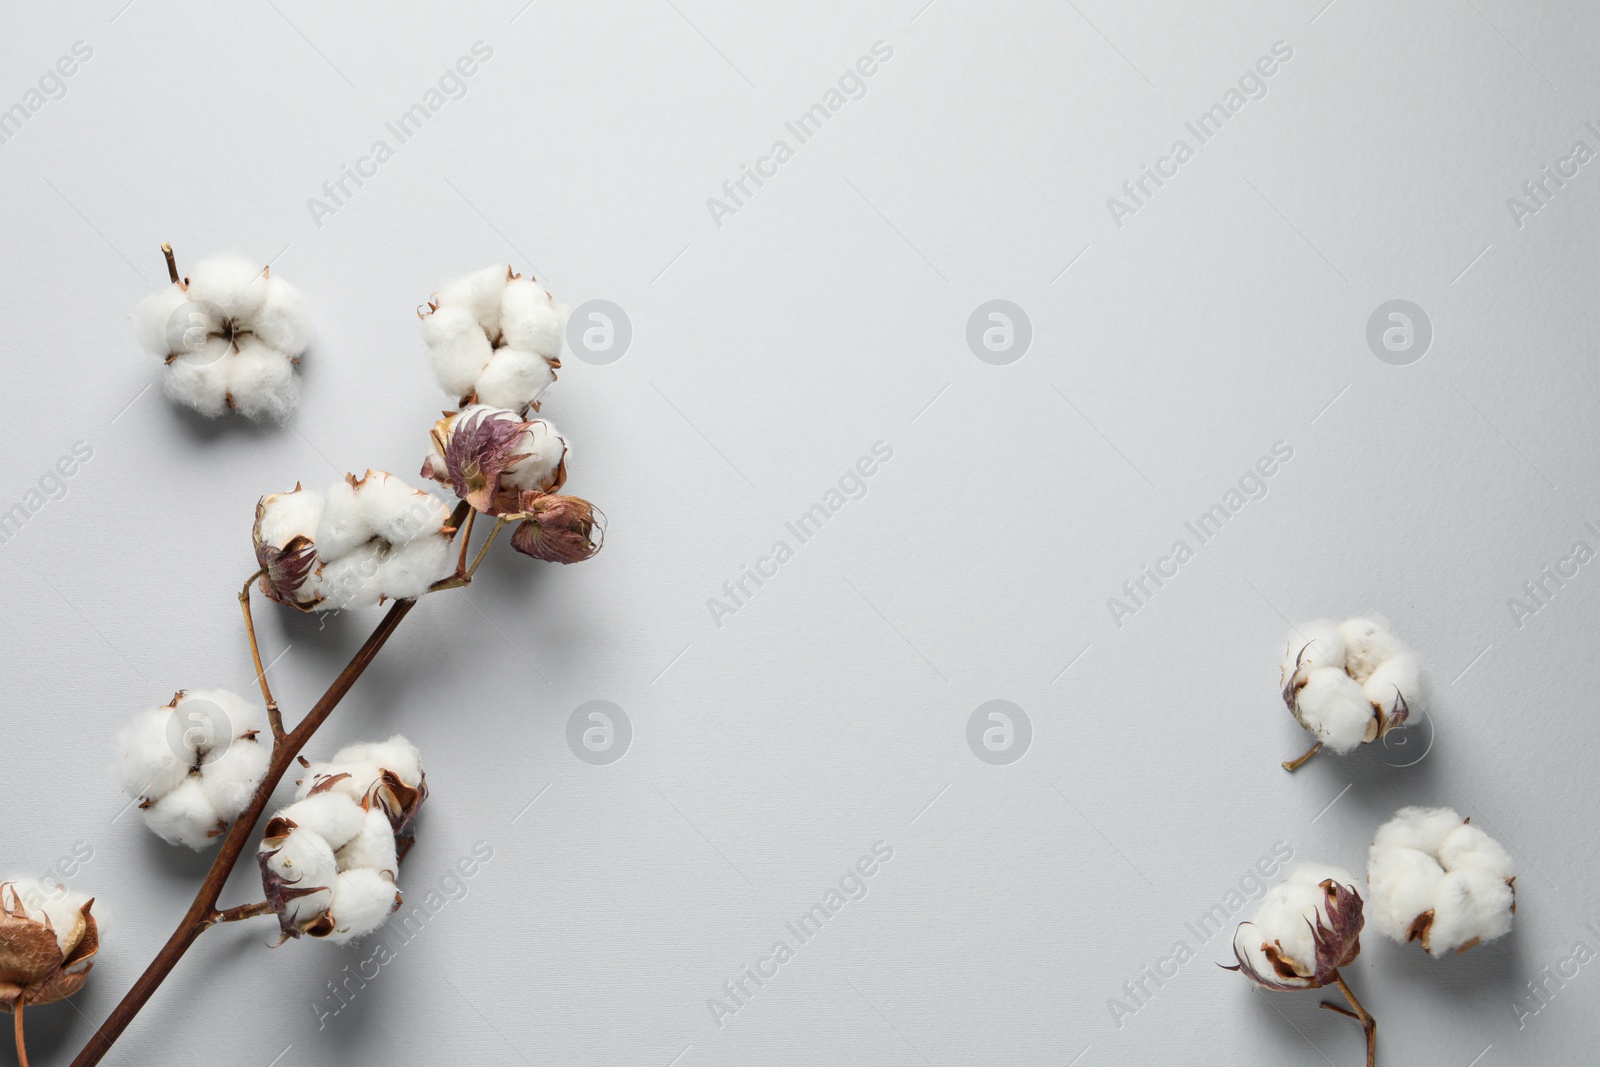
{"x":231,"y":335}
{"x":193,"y":764}
{"x":1437,"y":879}
{"x":494,"y":337}
{"x":368,"y":539}
{"x":339,"y":838}
{"x":1350,"y":683}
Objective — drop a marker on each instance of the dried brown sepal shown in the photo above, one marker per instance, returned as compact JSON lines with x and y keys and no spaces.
{"x":1296,"y":681}
{"x":34,"y":968}
{"x":1420,"y":928}
{"x":477,"y":453}
{"x":399,"y":801}
{"x":324,"y":784}
{"x":558,"y":529}
{"x":1394,"y":719}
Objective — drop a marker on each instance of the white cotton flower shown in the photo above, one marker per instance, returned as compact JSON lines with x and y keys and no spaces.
{"x":202,"y":386}
{"x":231,"y":335}
{"x":457,"y":348}
{"x":329,"y":860}
{"x":1333,"y":707}
{"x":494,"y":337}
{"x":185,"y":816}
{"x":1350,"y":684}
{"x":333,"y":817}
{"x":1437,"y":879}
{"x":514,"y":378}
{"x":193,"y":764}
{"x":530,"y":320}
{"x":1367,"y":643}
{"x":365,"y":540}
{"x":1278,"y":947}
{"x":372,"y":846}
{"x":261,"y":382}
{"x":363,"y":900}
{"x":480,"y":293}
{"x":1397,"y":681}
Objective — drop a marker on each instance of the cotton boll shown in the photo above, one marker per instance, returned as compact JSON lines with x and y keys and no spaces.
{"x":546,"y":450}
{"x":261,"y":381}
{"x":1287,"y":914}
{"x":528,"y":320}
{"x":514,"y":378}
{"x":373,"y":847}
{"x":354,"y":580}
{"x":152,"y":316}
{"x":1333,"y":707}
{"x":457,"y":348}
{"x":1367,"y":644}
{"x":480,"y":294}
{"x":147,"y":765}
{"x":395,"y":511}
{"x":409,"y":569}
{"x":1472,"y":906}
{"x":343,"y":526}
{"x":362,"y":901}
{"x":1399,"y":675}
{"x":282,"y":321}
{"x":1313,"y":645}
{"x":285,"y":516}
{"x":1403,"y":885}
{"x":332,"y":816}
{"x":236,"y":285}
{"x":1469,"y":848}
{"x":231,"y":778}
{"x":396,"y":755}
{"x":202,"y":386}
{"x":1423,"y":829}
{"x":185,"y":816}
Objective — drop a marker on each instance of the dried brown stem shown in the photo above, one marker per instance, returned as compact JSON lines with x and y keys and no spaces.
{"x":1299,"y":761}
{"x":466,"y":542}
{"x":202,"y":912}
{"x":243,"y":911}
{"x":274,"y":716}
{"x":172,"y":264}
{"x":22,"y":1045}
{"x":1368,"y":1023}
{"x":498,"y":525}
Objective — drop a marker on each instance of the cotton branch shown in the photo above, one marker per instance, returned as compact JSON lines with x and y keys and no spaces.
{"x":203,"y":911}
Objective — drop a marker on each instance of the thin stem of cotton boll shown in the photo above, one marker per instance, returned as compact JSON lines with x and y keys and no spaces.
{"x":172,"y":263}
{"x":1300,"y":760}
{"x":22,"y":1045}
{"x":499,"y":524}
{"x":466,"y":540}
{"x":243,"y":911}
{"x":274,"y":716}
{"x":1360,"y":1014}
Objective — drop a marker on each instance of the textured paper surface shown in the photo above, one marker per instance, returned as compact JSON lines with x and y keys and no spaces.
{"x":774,"y":342}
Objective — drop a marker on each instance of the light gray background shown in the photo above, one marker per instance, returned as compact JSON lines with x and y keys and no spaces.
{"x":769,"y":354}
